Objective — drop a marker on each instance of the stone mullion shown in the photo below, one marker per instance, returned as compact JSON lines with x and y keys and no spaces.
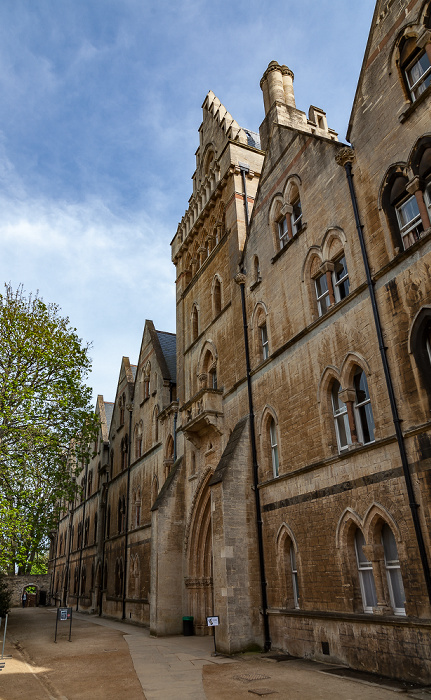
{"x":348,"y":397}
{"x":413,"y":187}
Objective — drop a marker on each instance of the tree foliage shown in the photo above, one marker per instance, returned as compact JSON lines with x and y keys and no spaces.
{"x":46,"y":422}
{"x":5,"y":597}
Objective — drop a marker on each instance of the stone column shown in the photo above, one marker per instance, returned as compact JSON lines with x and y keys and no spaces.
{"x":424,"y":41}
{"x":413,"y":187}
{"x":348,"y":396}
{"x":328,"y":268}
{"x":287,"y":210}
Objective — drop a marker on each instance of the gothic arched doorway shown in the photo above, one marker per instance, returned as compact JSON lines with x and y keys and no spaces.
{"x":199,"y":583}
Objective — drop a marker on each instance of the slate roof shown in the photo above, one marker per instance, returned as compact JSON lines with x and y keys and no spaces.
{"x":168,"y":344}
{"x":253,"y":139}
{"x":109,"y":410}
{"x":229,"y":451}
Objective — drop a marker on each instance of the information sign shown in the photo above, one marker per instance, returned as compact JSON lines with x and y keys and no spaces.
{"x":64,"y":615}
{"x":212,"y":621}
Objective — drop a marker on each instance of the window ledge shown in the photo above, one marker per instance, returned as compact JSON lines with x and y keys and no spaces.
{"x":288,"y":244}
{"x":410,"y":107}
{"x":361,"y":617}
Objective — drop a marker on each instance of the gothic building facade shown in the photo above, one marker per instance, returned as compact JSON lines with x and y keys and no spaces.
{"x":273,"y":466}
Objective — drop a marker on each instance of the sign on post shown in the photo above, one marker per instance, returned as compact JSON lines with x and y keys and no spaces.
{"x":64,"y":614}
{"x":213,"y":621}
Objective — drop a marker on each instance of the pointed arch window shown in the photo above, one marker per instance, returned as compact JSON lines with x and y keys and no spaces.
{"x":341,"y":418}
{"x":393,"y":571}
{"x":366,"y":576}
{"x":274,"y":447}
{"x":195,"y":323}
{"x":264,"y":339}
{"x":217,"y":296}
{"x":363,"y":411}
{"x":294,"y":574}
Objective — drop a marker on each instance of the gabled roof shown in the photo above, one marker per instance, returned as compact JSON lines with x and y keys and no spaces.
{"x":168,"y":345}
{"x":109,"y":410}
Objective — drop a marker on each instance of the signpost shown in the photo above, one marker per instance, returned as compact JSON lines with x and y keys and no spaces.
{"x":63,"y":614}
{"x":4,"y":640}
{"x":213,"y":621}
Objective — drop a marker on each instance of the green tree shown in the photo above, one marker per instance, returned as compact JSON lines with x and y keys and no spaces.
{"x":5,"y":597}
{"x":46,"y":423}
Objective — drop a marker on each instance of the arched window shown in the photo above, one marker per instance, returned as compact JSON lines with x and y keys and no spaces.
{"x":118,"y":577}
{"x":366,"y":576}
{"x":294,"y":575}
{"x":363,"y":411}
{"x":122,"y":404}
{"x":146,"y":378}
{"x":138,"y":508}
{"x":105,"y":576}
{"x":194,"y":323}
{"x":264,"y":339}
{"x":83,"y":580}
{"x":90,"y":483}
{"x":217,"y":296}
{"x":296,"y":214}
{"x":341,"y":418}
{"x":402,"y":202}
{"x":393,"y":571}
{"x":256,"y":270}
{"x":95,"y":528}
{"x":416,"y":67}
{"x":274,"y":447}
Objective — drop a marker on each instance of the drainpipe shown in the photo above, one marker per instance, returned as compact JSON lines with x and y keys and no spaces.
{"x":345,"y":158}
{"x":240,"y":280}
{"x":244,"y":170}
{"x":126,"y":536}
{"x":175,"y":436}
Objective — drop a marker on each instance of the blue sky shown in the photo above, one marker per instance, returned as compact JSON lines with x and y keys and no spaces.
{"x":99,"y":111}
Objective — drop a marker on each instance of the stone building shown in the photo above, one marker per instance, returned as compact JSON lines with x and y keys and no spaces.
{"x":278,"y":473}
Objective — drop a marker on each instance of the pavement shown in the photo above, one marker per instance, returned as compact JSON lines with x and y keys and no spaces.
{"x":107,"y":660}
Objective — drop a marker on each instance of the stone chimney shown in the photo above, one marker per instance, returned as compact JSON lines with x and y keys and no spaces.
{"x":279,"y":101}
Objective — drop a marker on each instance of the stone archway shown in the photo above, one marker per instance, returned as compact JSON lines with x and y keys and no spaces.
{"x":199,"y":583}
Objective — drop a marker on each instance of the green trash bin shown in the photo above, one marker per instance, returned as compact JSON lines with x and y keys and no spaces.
{"x":188,"y":626}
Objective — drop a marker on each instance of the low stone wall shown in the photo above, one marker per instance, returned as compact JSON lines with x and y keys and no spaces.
{"x":17,"y":584}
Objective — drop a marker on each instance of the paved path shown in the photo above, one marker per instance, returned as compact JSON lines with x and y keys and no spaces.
{"x":108,"y":660}
{"x":166,"y":663}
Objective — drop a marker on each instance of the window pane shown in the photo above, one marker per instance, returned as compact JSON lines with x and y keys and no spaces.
{"x":296,"y":216}
{"x":363,"y":410}
{"x":321,"y":285}
{"x":341,"y":279}
{"x":370,"y":597}
{"x":408,"y":211}
{"x":396,"y":583}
